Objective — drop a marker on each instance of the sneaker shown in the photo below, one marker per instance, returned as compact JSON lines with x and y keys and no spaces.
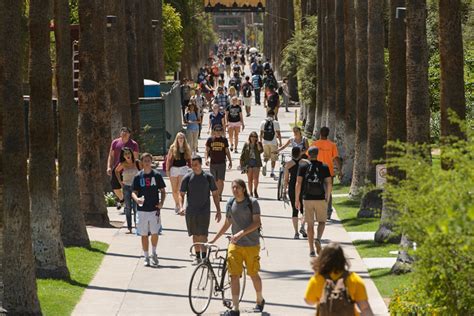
{"x":118,"y":206}
{"x":231,"y":313}
{"x":317,"y":243}
{"x":236,"y":151}
{"x":176,"y":210}
{"x":248,"y":114}
{"x":154,"y":259}
{"x":297,"y":236}
{"x":264,"y":170}
{"x":272,"y":175}
{"x":259,"y":307}
{"x":197,"y":261}
{"x":255,"y":194}
{"x":312,"y":254}
{"x":146,"y":263}
{"x":303,"y":232}
{"x":232,"y":148}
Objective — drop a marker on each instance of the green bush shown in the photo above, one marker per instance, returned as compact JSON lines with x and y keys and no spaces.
{"x":437,"y":212}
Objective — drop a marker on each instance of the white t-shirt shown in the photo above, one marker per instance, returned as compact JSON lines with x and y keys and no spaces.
{"x":276,"y":127}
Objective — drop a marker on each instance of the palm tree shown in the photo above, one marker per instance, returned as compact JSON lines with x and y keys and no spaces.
{"x":320,"y":92}
{"x":418,"y":110}
{"x":47,"y":243}
{"x":340,"y":76}
{"x":133,"y":119}
{"x":359,"y":172}
{"x":92,"y":68}
{"x":18,"y":276}
{"x":376,"y":115}
{"x":396,"y":111}
{"x":351,"y":90}
{"x":73,"y":226}
{"x":331,"y":68}
{"x":452,"y":66}
{"x":160,"y":50}
{"x":116,"y":55}
{"x":310,"y":109}
{"x":292,"y":79}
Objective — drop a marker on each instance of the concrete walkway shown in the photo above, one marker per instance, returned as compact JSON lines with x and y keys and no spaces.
{"x":123,"y":286}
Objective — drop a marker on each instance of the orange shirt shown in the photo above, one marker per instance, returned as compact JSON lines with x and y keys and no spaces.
{"x":327,"y":153}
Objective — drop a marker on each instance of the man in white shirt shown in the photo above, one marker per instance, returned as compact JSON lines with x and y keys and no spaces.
{"x":269,"y":134}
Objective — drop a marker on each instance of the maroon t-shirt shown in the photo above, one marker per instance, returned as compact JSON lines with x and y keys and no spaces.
{"x":118,"y":144}
{"x":217,"y":149}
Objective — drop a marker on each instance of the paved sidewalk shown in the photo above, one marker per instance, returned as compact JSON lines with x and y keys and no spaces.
{"x":123,"y":286}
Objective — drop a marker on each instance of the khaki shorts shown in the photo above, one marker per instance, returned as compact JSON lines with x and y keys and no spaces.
{"x":268,"y":152}
{"x":315,"y":210}
{"x":239,"y":255}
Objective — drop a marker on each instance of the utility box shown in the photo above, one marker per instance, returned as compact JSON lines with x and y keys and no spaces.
{"x":152,"y":89}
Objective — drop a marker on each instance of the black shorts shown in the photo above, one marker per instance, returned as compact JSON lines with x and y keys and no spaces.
{"x":114,"y":182}
{"x":198,"y":224}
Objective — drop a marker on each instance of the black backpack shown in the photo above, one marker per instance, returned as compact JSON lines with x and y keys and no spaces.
{"x":247,"y":90}
{"x":280,"y":90}
{"x":268,"y":130}
{"x":273,"y":100}
{"x":314,"y":185}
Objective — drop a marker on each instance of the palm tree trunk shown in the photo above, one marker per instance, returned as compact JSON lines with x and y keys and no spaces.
{"x":47,"y":243}
{"x":132,"y":62}
{"x":73,"y":225}
{"x":359,"y":172}
{"x":92,"y":68}
{"x":452,"y":67}
{"x":116,"y":55}
{"x":17,"y":276}
{"x":340,"y":78}
{"x":292,"y":76}
{"x":418,"y":110}
{"x":160,"y":51}
{"x":351,"y":91}
{"x":376,"y":114}
{"x":396,"y":113}
{"x":320,"y":88}
{"x":331,"y":68}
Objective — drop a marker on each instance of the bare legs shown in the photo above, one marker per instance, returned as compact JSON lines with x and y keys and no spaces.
{"x":253,"y":175}
{"x":175,"y":186}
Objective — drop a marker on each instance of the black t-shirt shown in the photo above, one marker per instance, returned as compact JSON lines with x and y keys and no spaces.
{"x":234,"y":113}
{"x":148,"y":185}
{"x":217,"y":149}
{"x":181,"y":162}
{"x":323,"y":173}
{"x":293,"y":174}
{"x":228,"y":60}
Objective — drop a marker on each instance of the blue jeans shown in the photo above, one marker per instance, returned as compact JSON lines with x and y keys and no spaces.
{"x":129,"y":205}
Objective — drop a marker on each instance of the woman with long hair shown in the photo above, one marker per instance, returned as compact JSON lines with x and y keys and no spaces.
{"x":178,"y":162}
{"x":128,"y":168}
{"x":298,"y":140}
{"x":251,"y":162}
{"x":193,"y":119}
{"x":331,"y":270}
{"x":235,"y":120}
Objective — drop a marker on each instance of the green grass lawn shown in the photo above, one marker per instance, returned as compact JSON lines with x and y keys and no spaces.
{"x":347,"y":210}
{"x":371,"y":249}
{"x":386,"y":282}
{"x":59,"y":297}
{"x":339,"y":188}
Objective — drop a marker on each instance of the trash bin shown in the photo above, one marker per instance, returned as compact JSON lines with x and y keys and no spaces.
{"x":152,"y":89}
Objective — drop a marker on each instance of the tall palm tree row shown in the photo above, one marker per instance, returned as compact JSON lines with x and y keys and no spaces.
{"x":17,"y":277}
{"x":340,"y":77}
{"x":47,"y":243}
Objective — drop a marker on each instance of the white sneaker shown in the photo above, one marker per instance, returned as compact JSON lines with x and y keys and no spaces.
{"x":154,"y":258}
{"x":146,"y":263}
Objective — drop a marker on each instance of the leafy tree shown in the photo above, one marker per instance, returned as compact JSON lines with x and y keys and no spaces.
{"x":173,"y":40}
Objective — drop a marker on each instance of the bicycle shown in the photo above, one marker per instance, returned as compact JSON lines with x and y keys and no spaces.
{"x":206,"y":283}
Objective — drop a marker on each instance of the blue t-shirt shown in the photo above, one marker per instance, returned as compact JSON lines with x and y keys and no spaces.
{"x":256,"y":81}
{"x":148,"y":185}
{"x":192,"y":116}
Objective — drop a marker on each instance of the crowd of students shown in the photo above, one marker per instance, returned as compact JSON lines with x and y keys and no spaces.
{"x":308,"y":177}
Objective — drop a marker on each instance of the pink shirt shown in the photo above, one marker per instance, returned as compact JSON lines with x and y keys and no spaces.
{"x":118,"y":144}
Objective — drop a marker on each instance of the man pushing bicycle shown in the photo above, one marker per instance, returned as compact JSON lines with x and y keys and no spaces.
{"x":243,"y":215}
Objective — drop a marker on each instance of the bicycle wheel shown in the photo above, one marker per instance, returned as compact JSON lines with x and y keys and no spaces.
{"x":280,"y":186}
{"x":200,"y":288}
{"x":226,"y":290}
